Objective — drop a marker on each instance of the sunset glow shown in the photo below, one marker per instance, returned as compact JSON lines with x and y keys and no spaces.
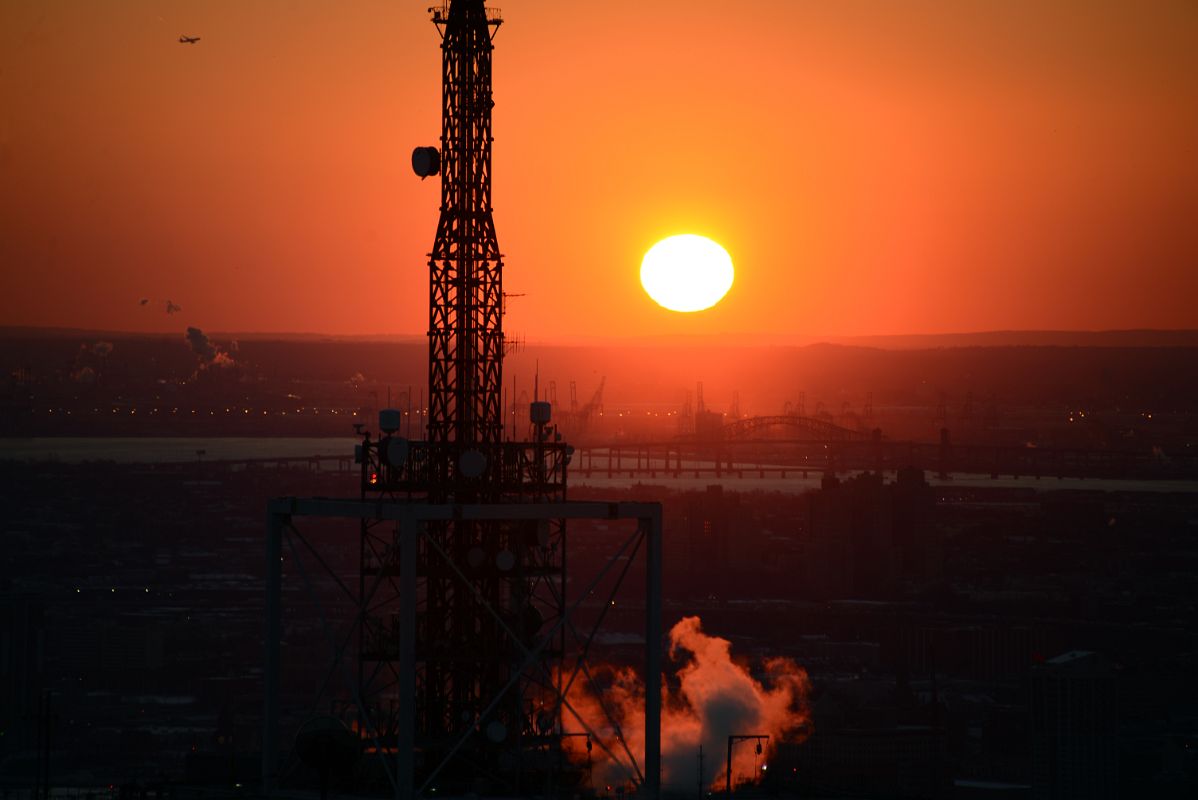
{"x":687,"y":273}
{"x":875,"y":168}
{"x":609,"y":401}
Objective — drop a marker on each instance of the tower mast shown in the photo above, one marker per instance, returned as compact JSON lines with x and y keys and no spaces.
{"x":465,"y":329}
{"x":462,"y":617}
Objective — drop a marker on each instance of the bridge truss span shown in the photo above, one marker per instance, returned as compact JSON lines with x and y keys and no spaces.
{"x":815,"y":429}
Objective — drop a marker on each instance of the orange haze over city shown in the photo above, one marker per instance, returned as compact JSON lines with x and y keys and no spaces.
{"x":871,"y":167}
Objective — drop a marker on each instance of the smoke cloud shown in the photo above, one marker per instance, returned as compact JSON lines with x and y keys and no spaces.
{"x":90,"y":361}
{"x":209,"y":354}
{"x":200,"y":345}
{"x":712,"y":698}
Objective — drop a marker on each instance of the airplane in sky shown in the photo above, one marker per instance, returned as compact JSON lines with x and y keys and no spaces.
{"x":188,"y":39}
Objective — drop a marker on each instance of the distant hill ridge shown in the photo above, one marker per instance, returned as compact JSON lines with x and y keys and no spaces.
{"x":1122,"y":338}
{"x":1042,"y":338}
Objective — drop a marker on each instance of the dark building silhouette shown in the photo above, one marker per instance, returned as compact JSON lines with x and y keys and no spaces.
{"x":870,"y":739}
{"x":983,"y":650}
{"x":26,"y":713}
{"x":22,"y":664}
{"x":1075,"y":721}
{"x":863,"y":535}
{"x":708,"y":534}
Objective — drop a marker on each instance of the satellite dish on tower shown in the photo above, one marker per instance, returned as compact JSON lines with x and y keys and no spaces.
{"x":426,"y":162}
{"x":496,"y":731}
{"x":389,"y":420}
{"x":472,"y":464}
{"x":397,"y":451}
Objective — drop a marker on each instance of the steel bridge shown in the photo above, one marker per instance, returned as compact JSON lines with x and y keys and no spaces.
{"x":781,"y":458}
{"x":817,"y":429}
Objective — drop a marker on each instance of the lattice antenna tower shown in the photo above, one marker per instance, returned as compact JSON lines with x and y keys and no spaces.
{"x":465,"y":328}
{"x":462,"y":620}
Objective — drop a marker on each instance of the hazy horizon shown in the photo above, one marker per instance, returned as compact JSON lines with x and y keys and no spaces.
{"x":1126,"y":337}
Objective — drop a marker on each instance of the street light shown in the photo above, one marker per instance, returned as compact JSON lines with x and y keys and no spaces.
{"x":732,"y":739}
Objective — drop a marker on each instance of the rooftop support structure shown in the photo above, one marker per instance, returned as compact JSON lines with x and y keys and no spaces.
{"x":413,"y":523}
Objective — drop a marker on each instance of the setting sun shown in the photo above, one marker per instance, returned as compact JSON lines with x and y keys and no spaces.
{"x":687,"y":273}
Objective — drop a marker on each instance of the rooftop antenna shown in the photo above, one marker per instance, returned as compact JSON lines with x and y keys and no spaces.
{"x":459,"y":616}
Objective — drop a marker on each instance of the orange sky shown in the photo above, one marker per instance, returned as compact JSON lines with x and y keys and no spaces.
{"x":872,"y":167}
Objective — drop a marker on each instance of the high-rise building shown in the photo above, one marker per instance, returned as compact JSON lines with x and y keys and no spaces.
{"x":1075,"y":719}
